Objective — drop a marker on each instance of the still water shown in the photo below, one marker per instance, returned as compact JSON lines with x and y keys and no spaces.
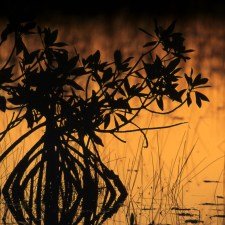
{"x":179,"y":178}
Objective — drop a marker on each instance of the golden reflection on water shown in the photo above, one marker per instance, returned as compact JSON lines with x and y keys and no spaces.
{"x":182,"y":166}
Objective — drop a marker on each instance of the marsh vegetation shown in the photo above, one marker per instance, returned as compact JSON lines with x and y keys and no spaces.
{"x":73,"y":101}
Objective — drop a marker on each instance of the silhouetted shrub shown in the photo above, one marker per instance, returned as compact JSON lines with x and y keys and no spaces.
{"x":76,"y":99}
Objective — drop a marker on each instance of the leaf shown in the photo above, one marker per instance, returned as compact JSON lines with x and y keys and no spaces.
{"x":199,"y":80}
{"x":59,"y":44}
{"x":118,"y":58}
{"x":106,"y":120}
{"x":160,"y":103}
{"x":135,"y":90}
{"x":54,"y":36}
{"x":124,"y":67}
{"x":158,"y":62}
{"x":122,"y":104}
{"x":6,"y":74}
{"x":111,"y":85}
{"x":189,"y":50}
{"x":121,"y":91}
{"x":146,"y":32}
{"x":79,"y":71}
{"x":150,"y":70}
{"x":116,"y":123}
{"x":150,"y":43}
{"x":50,"y":37}
{"x":89,"y":61}
{"x":174,"y":94}
{"x":96,"y":139}
{"x":199,"y":98}
{"x":28,"y":26}
{"x":139,"y":74}
{"x":122,"y":117}
{"x":175,"y":71}
{"x":128,"y":59}
{"x":97,"y":78}
{"x":191,"y":72}
{"x":107,"y":75}
{"x":30,"y":58}
{"x":96,"y":56}
{"x":20,"y":46}
{"x":8,"y":30}
{"x":188,"y":79}
{"x":202,"y":96}
{"x":73,"y":84}
{"x":185,"y":58}
{"x":189,"y":101}
{"x":204,"y":81}
{"x":156,"y":28}
{"x":172,"y":65}
{"x":2,"y":104}
{"x":127,"y":86}
{"x":102,"y":66}
{"x":181,"y":92}
{"x":72,"y":63}
{"x":171,"y":27}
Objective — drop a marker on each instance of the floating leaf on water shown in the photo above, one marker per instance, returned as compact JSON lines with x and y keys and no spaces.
{"x":194,"y":221}
{"x":220,"y":196}
{"x":186,"y":214}
{"x":211,"y":181}
{"x":211,"y":203}
{"x":177,"y":208}
{"x":218,"y":216}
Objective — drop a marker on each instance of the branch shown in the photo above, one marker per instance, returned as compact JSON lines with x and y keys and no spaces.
{"x":167,"y":112}
{"x":20,"y":139}
{"x":143,"y":129}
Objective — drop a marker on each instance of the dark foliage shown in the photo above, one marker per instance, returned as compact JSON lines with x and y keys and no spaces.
{"x":77,"y":100}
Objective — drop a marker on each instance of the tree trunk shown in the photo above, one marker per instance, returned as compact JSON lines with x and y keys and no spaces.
{"x":52,"y":183}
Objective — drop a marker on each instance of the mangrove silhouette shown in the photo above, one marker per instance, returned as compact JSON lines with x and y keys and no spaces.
{"x":62,"y":179}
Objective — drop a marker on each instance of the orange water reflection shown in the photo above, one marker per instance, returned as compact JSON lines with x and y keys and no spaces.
{"x":182,"y":166}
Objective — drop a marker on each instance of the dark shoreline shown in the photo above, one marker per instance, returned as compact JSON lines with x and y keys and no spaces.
{"x":109,"y":9}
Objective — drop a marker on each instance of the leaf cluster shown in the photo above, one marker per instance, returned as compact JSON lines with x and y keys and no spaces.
{"x":88,"y":96}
